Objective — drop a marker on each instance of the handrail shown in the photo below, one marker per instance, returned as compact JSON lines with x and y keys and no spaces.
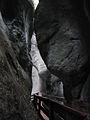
{"x":54,"y":97}
{"x":54,"y":110}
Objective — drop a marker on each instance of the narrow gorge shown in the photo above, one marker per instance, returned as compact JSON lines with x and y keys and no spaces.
{"x":45,"y":49}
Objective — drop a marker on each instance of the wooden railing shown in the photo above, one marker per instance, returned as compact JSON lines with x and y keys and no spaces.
{"x":56,"y":111}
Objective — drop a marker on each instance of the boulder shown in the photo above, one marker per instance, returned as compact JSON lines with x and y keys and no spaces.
{"x":62,"y":39}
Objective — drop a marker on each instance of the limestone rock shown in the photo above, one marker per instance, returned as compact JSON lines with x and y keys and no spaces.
{"x":15,"y":82}
{"x":39,"y":70}
{"x":19,"y":20}
{"x":59,"y":31}
{"x":85,"y":94}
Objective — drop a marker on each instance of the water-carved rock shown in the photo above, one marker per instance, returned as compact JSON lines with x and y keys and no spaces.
{"x":62,"y":35}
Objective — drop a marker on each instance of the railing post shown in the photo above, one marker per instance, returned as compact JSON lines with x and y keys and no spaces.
{"x":51,"y":111}
{"x":35,"y":102}
{"x":39,"y":106}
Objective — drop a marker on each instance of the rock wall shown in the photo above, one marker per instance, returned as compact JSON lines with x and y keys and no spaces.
{"x":15,"y":77}
{"x":39,"y":74}
{"x":42,"y":80}
{"x":19,"y":20}
{"x":62,"y":31}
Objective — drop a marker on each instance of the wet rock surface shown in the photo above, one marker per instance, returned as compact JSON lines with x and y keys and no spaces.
{"x":61,"y":36}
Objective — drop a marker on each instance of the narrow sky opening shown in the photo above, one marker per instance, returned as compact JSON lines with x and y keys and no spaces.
{"x":35,"y":2}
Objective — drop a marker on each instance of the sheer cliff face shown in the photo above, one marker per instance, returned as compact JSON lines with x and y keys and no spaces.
{"x":43,"y":81}
{"x":39,"y":70}
{"x":15,"y":82}
{"x":18,"y":16}
{"x":60,"y":31}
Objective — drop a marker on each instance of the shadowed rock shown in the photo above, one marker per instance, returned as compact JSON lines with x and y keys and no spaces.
{"x":18,"y":15}
{"x":15,"y":82}
{"x":62,"y":31}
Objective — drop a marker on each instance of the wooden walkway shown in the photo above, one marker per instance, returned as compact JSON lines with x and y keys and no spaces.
{"x":50,"y":109}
